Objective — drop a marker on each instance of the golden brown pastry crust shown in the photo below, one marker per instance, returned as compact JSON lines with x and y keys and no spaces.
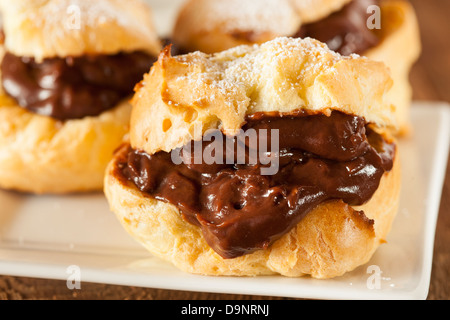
{"x":331,"y":240}
{"x":39,"y":154}
{"x":183,"y":96}
{"x":60,"y":28}
{"x":399,"y":48}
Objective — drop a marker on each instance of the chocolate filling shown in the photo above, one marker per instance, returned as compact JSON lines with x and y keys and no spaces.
{"x":344,"y":31}
{"x":240,"y":210}
{"x":73,"y":87}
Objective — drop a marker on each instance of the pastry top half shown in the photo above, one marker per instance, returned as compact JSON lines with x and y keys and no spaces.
{"x":263,"y":19}
{"x":184,"y":96}
{"x":69,"y":59}
{"x":60,"y":28}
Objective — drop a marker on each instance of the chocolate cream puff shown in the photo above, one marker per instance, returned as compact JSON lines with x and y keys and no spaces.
{"x":383,"y":30}
{"x":196,"y":185}
{"x":68,"y":69}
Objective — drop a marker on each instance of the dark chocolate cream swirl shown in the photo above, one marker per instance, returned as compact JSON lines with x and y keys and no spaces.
{"x":73,"y":87}
{"x":240,"y":210}
{"x":346,"y":30}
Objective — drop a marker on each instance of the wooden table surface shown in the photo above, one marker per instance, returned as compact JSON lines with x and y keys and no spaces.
{"x":430,"y":78}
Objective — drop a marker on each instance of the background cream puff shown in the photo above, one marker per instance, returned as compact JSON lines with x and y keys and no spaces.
{"x":68,"y":68}
{"x":393,"y":37}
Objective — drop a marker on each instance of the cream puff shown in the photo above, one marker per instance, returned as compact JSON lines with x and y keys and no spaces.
{"x":68,"y":69}
{"x":383,"y":30}
{"x":276,"y":158}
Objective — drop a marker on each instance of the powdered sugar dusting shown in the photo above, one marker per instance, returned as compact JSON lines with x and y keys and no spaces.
{"x":306,"y":56}
{"x":58,"y":14}
{"x":274,"y":75}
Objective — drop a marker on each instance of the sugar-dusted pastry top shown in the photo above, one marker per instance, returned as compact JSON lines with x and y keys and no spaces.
{"x":183,"y":96}
{"x":59,"y":28}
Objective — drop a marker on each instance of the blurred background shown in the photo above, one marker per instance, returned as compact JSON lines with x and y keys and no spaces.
{"x":430,"y":76}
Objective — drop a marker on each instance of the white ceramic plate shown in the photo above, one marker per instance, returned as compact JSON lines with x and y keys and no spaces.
{"x":41,"y":236}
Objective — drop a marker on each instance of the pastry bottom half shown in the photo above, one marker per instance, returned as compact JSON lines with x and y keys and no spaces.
{"x":39,"y":154}
{"x":331,"y":240}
